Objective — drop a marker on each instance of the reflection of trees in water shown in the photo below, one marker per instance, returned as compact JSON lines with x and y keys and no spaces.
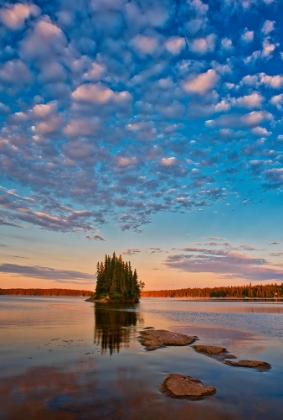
{"x":112,"y":324}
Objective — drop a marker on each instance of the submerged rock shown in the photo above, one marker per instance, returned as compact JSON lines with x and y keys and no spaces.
{"x":154,"y":339}
{"x":219,"y":353}
{"x":182,"y":386}
{"x":255,"y":364}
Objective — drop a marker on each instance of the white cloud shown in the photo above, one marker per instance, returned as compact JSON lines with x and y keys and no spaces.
{"x":81,"y":127}
{"x":277,"y":100}
{"x":49,"y":125}
{"x":98,"y":94}
{"x":268,"y":27}
{"x":44,"y":110}
{"x":203,"y":45}
{"x":250,"y":101}
{"x":226,"y":43}
{"x":52,"y":72}
{"x":44,"y":41}
{"x":256,"y":117}
{"x":168,"y":161}
{"x":275,"y":82}
{"x":15,"y":72}
{"x":267,"y":48}
{"x":144,"y":45}
{"x":261,"y":131}
{"x":95,"y":72}
{"x":124,"y":161}
{"x":251,"y":119}
{"x":175,"y":44}
{"x":222,"y":106}
{"x":247,"y":36}
{"x":250,"y":80}
{"x":201,"y":83}
{"x":15,"y":16}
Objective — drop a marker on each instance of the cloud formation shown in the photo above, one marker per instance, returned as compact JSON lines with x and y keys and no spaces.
{"x":227,"y":261}
{"x":97,"y":125}
{"x":47,"y":273}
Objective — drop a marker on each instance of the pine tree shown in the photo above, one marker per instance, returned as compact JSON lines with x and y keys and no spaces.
{"x":116,"y":281}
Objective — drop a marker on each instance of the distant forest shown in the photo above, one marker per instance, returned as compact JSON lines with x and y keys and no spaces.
{"x":249,"y":291}
{"x":45,"y":292}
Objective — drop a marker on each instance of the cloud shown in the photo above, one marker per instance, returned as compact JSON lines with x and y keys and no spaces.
{"x":275,"y":82}
{"x":224,"y":263}
{"x":277,"y":100}
{"x":131,"y":251}
{"x":14,"y":16}
{"x":95,"y":72}
{"x":15,"y":72}
{"x":44,"y":41}
{"x":268,"y":27}
{"x":247,"y":36}
{"x":122,"y":108}
{"x":125,"y":161}
{"x":97,"y":236}
{"x":251,"y":119}
{"x":47,"y":273}
{"x":144,"y":44}
{"x":261,"y":131}
{"x":168,"y":161}
{"x":203,"y":45}
{"x":175,"y":44}
{"x":98,"y":94}
{"x":253,"y":100}
{"x":154,"y":250}
{"x":201,"y":83}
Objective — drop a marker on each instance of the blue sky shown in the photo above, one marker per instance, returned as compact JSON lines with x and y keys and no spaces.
{"x":152,"y":128}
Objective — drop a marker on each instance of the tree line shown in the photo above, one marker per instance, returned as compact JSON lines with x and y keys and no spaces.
{"x":248,"y":291}
{"x":45,"y":292}
{"x":116,"y":280}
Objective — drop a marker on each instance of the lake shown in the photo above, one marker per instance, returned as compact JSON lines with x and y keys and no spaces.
{"x":64,"y":358}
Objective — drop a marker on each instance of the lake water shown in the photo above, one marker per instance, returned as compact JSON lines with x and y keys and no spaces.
{"x":64,"y":358}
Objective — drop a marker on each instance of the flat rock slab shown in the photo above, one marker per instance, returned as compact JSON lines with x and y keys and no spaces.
{"x":255,"y":364}
{"x":219,"y":353}
{"x":182,"y":386}
{"x":154,"y":339}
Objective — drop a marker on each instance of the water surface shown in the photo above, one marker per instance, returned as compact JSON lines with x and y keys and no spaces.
{"x":64,"y":358}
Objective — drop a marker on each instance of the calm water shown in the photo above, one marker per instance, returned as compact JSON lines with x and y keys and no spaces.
{"x":64,"y":358}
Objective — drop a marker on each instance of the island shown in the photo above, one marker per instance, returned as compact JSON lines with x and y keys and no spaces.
{"x":116,"y":282}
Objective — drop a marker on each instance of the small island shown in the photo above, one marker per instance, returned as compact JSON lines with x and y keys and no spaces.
{"x":116,"y":282}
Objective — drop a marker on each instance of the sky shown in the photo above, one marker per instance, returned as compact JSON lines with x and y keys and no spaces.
{"x":152,"y":128}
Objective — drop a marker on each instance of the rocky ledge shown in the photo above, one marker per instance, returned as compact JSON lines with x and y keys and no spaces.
{"x":182,"y":386}
{"x":154,"y":339}
{"x":255,"y":364}
{"x":216,"y":352}
{"x":109,"y":300}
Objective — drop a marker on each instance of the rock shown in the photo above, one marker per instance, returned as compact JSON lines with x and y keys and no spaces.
{"x":154,"y":339}
{"x":182,"y":386}
{"x":219,"y":353}
{"x":255,"y":364}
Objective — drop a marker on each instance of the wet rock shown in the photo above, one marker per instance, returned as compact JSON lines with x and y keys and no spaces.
{"x":154,"y":339}
{"x":182,"y":386}
{"x":216,"y":352}
{"x":255,"y":364}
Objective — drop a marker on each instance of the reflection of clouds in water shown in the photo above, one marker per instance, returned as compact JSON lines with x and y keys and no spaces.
{"x":113,"y":325}
{"x":57,"y":394}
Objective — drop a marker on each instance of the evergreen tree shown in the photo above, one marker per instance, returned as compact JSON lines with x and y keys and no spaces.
{"x":117,"y":281}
